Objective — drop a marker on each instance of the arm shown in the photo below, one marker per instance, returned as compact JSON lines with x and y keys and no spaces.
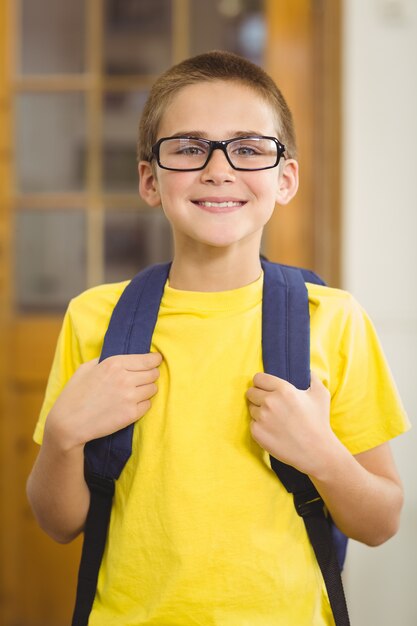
{"x":99,"y":399}
{"x":363,"y":494}
{"x":57,"y":491}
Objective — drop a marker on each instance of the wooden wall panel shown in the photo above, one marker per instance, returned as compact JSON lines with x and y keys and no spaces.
{"x":5,"y":192}
{"x":290,"y":61}
{"x":39,"y":576}
{"x":303,"y":57}
{"x":46,"y":571}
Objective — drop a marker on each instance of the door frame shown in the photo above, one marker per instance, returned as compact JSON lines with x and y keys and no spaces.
{"x":304,"y":56}
{"x":304,"y":41}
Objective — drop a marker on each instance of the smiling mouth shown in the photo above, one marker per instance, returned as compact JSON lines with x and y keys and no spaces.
{"x":227,"y":204}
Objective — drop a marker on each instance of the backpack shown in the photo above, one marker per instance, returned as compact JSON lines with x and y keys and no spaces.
{"x":286,"y":353}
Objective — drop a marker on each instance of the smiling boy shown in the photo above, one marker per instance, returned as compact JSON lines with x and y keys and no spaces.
{"x":193,"y":200}
{"x":201,"y":531}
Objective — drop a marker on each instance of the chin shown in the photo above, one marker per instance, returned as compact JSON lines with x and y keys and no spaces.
{"x":221,"y":242}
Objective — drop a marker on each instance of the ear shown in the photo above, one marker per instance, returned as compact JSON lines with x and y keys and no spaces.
{"x":288,"y":181}
{"x":148,"y":184}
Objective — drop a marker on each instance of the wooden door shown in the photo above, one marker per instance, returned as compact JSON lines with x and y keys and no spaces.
{"x":73,"y":77}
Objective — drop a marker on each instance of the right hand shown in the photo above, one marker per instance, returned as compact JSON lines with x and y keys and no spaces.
{"x":102,"y":398}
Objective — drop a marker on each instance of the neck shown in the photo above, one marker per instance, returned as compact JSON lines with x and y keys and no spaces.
{"x":220,"y":270}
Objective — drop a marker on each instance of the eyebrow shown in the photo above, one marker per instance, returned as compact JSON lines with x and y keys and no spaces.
{"x":200,"y":134}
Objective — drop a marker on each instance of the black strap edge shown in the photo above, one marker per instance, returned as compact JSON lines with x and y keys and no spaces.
{"x":95,"y":537}
{"x":318,"y":531}
{"x":311,"y":507}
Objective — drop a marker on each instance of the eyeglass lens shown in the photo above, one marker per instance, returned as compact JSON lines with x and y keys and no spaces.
{"x":189,"y":153}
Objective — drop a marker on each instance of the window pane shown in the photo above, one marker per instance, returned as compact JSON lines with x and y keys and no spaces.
{"x":121,"y":117}
{"x":50,"y":142}
{"x":53,"y":36}
{"x":50,"y":261}
{"x":137,"y":38}
{"x":234,"y":25}
{"x":134,"y":240}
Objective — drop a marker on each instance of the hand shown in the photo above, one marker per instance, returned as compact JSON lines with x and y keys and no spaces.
{"x":292,"y":425}
{"x":102,"y":398}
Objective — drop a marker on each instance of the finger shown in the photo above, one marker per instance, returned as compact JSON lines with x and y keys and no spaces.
{"x":144,"y":377}
{"x":254,"y":412}
{"x":268,"y":382}
{"x":137,"y":362}
{"x":315,"y":379}
{"x":140,"y":362}
{"x":142,"y":408}
{"x":145,"y":392}
{"x":86,"y":367}
{"x":316,"y":385}
{"x":90,"y":364}
{"x":255,"y":396}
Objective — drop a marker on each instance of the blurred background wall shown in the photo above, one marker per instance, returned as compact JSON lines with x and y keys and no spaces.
{"x":379,"y":235}
{"x":73,"y":79}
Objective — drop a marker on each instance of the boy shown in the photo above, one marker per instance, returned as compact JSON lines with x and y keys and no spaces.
{"x":201,"y":531}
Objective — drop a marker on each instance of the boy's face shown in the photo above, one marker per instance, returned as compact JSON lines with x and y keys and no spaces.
{"x":218,"y":110}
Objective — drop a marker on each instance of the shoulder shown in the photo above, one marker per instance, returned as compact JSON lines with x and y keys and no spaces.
{"x":88,"y":316}
{"x":99,"y":300}
{"x":338,"y":320}
{"x":330,"y":301}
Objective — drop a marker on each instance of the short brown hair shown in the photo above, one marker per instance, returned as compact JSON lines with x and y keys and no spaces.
{"x":215,"y":65}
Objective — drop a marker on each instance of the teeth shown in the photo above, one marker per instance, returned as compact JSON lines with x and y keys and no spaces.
{"x":221,"y":205}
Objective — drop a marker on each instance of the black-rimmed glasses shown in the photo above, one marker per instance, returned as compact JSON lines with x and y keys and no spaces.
{"x":253,"y":153}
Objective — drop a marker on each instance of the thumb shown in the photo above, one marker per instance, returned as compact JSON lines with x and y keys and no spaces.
{"x":316,"y":385}
{"x":90,"y":364}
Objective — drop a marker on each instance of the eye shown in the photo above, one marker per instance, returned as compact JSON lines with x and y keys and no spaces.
{"x":245,"y":151}
{"x":187,"y":147}
{"x":191,"y":150}
{"x":246,"y":148}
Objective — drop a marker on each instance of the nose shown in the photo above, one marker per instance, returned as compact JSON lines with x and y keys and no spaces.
{"x":218,"y":170}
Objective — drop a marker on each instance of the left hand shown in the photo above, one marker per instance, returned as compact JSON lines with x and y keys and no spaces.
{"x":292,"y":425}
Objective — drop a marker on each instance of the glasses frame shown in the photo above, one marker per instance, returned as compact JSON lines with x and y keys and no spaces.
{"x":218,"y":145}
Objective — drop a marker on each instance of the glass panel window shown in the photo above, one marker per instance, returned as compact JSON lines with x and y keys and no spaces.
{"x":133,"y":240}
{"x":53,"y":36}
{"x":50,"y":261}
{"x":122,"y":111}
{"x":234,"y":25}
{"x":137,"y":38}
{"x":50,"y":142}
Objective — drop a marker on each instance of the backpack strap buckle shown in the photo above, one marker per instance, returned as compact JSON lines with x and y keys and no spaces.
{"x":308,"y":503}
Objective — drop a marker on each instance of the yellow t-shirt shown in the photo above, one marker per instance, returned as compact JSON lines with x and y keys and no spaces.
{"x":202,"y":532}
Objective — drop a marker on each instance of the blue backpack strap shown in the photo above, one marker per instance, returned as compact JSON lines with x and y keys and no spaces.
{"x":286,"y":345}
{"x":285,"y":325}
{"x":130,"y":332}
{"x":286,"y":353}
{"x":292,"y":363}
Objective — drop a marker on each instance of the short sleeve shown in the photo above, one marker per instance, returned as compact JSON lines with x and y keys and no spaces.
{"x":66,"y":360}
{"x":80,"y":340}
{"x":366,"y":409}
